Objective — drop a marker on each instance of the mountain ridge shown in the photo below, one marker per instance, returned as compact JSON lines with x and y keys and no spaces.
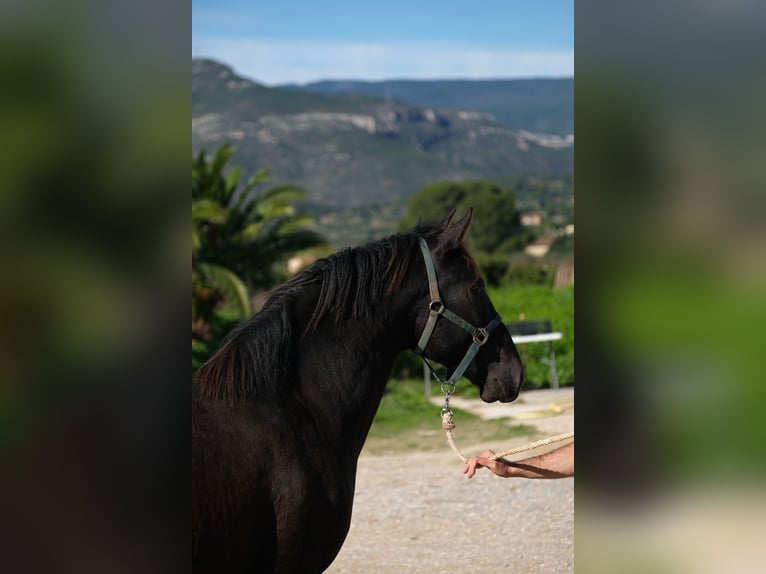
{"x":359,"y":154}
{"x":539,"y":105}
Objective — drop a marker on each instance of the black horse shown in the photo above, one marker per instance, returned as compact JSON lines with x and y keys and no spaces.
{"x":280,"y":413}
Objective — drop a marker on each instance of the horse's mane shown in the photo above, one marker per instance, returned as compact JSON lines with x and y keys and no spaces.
{"x":255,"y":358}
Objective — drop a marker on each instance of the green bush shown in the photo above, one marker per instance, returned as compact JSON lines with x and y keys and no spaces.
{"x":528,"y":274}
{"x":407,"y":365}
{"x":493,"y":267}
{"x":495,"y":221}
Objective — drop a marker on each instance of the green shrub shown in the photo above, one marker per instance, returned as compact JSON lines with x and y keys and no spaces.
{"x":493,"y":267}
{"x":407,"y":365}
{"x":529,"y":274}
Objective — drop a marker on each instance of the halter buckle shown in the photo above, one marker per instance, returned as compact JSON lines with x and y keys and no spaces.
{"x":480,"y":336}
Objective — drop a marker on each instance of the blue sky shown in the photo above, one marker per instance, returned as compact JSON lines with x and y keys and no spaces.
{"x":302,"y":41}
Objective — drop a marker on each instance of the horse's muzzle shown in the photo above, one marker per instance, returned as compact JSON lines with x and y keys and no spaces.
{"x":503,"y":382}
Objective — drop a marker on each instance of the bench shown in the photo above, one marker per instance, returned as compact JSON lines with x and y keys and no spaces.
{"x":541,"y":331}
{"x":523,"y":332}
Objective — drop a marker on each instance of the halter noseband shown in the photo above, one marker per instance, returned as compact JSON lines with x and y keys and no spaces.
{"x":437,"y":309}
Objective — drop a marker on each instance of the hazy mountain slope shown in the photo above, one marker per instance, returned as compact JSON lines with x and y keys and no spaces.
{"x":352,"y":150}
{"x":535,"y":105}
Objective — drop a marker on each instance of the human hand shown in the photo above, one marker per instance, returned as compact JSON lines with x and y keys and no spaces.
{"x":483,"y":459}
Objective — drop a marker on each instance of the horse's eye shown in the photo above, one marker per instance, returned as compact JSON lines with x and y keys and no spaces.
{"x":478,"y":285}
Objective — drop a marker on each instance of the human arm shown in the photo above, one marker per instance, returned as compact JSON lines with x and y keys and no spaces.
{"x":557,"y":463}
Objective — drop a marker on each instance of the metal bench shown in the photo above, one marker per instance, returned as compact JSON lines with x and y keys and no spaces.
{"x":523,"y":332}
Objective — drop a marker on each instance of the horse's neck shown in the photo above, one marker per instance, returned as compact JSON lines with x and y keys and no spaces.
{"x":343,"y":373}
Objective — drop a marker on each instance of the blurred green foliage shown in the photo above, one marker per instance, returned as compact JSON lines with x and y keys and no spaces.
{"x":238,"y":237}
{"x":93,"y":135}
{"x":670,"y":248}
{"x":496,"y":225}
{"x":675,"y":280}
{"x":493,"y":267}
{"x":529,"y":272}
{"x":94,"y":108}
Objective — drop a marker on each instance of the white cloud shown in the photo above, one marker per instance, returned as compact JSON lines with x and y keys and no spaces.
{"x":277,"y":62}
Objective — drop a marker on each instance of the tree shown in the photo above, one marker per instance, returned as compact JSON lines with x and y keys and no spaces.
{"x":496,"y":226}
{"x":238,"y":235}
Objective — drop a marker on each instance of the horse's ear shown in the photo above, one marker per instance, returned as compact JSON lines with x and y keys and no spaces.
{"x":452,"y":238}
{"x":445,"y":222}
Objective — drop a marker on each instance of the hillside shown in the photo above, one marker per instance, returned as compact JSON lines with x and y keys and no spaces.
{"x":358,"y":152}
{"x":534,"y":105}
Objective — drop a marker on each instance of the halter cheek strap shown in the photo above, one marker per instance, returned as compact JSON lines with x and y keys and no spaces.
{"x":437,"y":309}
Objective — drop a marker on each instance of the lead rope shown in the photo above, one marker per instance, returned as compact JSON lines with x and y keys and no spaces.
{"x":448,"y":425}
{"x":566,"y":436}
{"x":447,"y":387}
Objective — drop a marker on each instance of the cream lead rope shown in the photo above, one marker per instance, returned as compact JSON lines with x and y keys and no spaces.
{"x":448,"y":425}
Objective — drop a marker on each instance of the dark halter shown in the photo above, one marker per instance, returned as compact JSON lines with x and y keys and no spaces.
{"x":437,"y":309}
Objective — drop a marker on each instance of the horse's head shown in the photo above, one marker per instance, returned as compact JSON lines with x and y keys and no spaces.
{"x":456,"y":323}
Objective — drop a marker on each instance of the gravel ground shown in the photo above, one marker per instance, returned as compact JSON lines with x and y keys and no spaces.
{"x":418,"y":512}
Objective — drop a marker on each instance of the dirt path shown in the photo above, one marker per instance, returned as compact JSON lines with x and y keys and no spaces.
{"x":416,"y":512}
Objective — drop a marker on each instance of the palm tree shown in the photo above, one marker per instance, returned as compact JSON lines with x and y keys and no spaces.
{"x":238,"y":235}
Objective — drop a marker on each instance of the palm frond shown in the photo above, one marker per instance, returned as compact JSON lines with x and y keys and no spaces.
{"x":209,"y":210}
{"x":227,"y":283}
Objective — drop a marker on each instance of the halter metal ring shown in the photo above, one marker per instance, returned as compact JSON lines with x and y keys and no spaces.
{"x":436,"y":306}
